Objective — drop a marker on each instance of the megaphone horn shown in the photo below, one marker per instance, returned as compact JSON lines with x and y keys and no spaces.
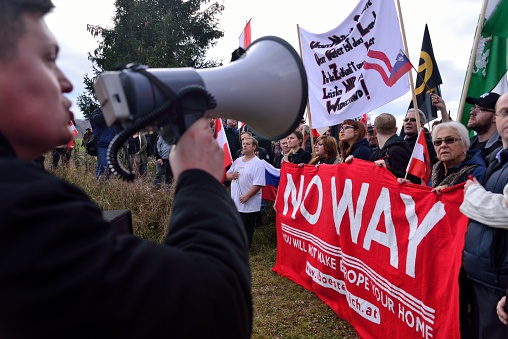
{"x":266,"y":89}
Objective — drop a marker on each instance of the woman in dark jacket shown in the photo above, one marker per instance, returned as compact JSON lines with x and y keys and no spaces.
{"x":455,"y":162}
{"x":353,"y":142}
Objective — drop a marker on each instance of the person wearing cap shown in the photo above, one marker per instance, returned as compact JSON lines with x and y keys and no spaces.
{"x":87,"y":136}
{"x":485,"y":254}
{"x":372,"y":138}
{"x":483,"y":121}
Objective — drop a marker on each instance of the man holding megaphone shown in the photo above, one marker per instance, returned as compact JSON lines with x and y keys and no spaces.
{"x":64,"y":272}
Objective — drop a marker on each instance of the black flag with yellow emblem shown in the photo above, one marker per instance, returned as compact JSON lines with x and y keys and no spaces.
{"x":428,"y":78}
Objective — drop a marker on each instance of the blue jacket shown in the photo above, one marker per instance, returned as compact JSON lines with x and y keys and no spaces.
{"x":101,"y":129}
{"x":485,"y":256}
{"x":361,"y":150}
{"x":472,"y":158}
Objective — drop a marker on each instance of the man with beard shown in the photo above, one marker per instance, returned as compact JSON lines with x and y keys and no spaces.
{"x":483,"y":122}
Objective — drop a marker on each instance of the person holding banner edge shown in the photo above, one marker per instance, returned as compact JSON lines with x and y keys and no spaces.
{"x":485,"y":255}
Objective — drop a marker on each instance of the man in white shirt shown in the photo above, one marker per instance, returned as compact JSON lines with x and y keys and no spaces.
{"x":247,"y":176}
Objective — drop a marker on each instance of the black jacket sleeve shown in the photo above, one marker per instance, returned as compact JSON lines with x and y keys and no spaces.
{"x":64,"y":272}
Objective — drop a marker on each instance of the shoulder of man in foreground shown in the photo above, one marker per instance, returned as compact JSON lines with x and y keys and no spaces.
{"x":55,"y":235}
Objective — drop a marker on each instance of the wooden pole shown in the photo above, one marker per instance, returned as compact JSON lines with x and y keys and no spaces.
{"x":308,"y":106}
{"x":472,"y":57}
{"x":403,"y":31}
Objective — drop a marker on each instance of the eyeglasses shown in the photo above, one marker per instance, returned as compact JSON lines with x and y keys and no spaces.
{"x":343,"y":128}
{"x":502,"y":113}
{"x":480,"y":109}
{"x":447,"y":141}
{"x":409,"y":119}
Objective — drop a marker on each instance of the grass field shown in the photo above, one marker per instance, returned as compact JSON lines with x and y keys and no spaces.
{"x":282,"y":309}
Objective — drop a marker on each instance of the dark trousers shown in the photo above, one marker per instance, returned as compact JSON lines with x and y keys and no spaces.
{"x":163,"y":173}
{"x":249,"y":222}
{"x":486,"y":323}
{"x":466,"y":305}
{"x":61,"y":153}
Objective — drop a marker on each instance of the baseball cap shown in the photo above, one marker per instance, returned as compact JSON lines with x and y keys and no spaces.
{"x":487,"y":100}
{"x":370,"y":129}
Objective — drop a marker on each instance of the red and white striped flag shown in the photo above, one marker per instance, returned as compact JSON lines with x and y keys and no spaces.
{"x":220,"y":135}
{"x":73,"y":128}
{"x":419,"y":164}
{"x":70,"y":144}
{"x":244,"y":38}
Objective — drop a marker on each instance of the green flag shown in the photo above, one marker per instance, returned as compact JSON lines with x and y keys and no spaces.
{"x":491,"y":62}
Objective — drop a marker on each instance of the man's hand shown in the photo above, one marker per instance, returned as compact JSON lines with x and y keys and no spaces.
{"x":380,"y":163}
{"x":503,"y":317}
{"x":349,"y":159}
{"x":198,"y":149}
{"x":438,"y":189}
{"x":470,"y":182}
{"x":159,"y":161}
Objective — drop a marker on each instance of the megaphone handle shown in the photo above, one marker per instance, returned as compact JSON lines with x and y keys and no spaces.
{"x":194,"y":101}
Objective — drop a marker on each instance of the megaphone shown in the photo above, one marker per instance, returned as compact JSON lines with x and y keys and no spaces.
{"x":266,"y":89}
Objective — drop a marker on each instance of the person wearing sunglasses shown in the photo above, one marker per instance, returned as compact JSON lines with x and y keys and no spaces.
{"x":455,"y":161}
{"x":411,"y":132}
{"x":485,"y":255}
{"x":483,"y":121}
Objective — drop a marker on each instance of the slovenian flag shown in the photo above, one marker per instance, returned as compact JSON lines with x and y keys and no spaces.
{"x":272,"y":176}
{"x":401,"y":67}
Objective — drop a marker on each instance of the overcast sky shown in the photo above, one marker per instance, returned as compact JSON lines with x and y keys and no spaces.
{"x":451,"y":23}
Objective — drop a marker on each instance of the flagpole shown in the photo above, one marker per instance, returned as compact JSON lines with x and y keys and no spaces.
{"x":308,"y":106}
{"x":472,"y":58}
{"x":403,"y":31}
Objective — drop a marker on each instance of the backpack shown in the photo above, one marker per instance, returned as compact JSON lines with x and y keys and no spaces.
{"x":91,"y":145}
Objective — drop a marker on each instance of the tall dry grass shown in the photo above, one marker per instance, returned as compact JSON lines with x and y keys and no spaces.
{"x":282,"y":309}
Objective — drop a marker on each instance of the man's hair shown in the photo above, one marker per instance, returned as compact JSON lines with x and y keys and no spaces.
{"x":423,"y":119}
{"x":12,"y":26}
{"x":385,"y":124}
{"x":254,"y":141}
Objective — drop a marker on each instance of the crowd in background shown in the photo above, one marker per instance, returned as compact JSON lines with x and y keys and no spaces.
{"x":454,"y":158}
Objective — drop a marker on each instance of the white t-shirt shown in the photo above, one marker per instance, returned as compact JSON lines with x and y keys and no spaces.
{"x":252,"y":173}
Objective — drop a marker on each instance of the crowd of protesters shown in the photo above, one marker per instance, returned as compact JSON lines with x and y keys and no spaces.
{"x":454,"y":158}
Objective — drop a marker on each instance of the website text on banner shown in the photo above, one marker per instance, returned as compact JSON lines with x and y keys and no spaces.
{"x":340,"y":86}
{"x":384,"y":256}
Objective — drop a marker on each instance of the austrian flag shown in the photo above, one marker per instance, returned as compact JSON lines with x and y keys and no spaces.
{"x":244,"y":38}
{"x":222,"y":140}
{"x":419,"y":164}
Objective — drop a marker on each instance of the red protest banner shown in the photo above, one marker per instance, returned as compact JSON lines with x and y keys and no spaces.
{"x":385,"y":257}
